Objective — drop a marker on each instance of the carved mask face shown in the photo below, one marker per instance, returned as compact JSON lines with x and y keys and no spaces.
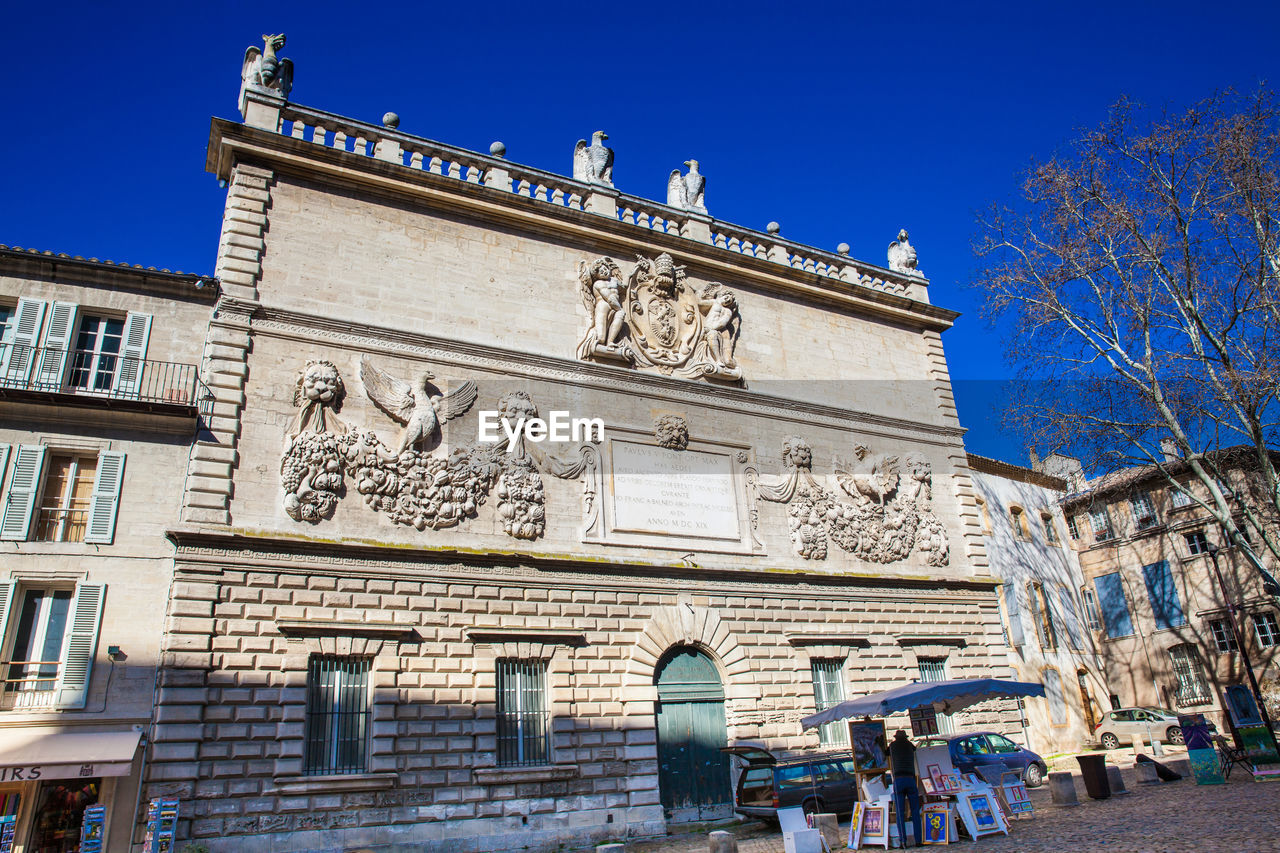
{"x":321,"y":383}
{"x":516,"y":405}
{"x":798,"y":453}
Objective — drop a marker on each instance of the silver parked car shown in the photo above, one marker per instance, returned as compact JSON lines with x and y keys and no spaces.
{"x":1120,"y":725}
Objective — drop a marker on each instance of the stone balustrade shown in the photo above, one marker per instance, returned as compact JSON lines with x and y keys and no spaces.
{"x":390,"y":145}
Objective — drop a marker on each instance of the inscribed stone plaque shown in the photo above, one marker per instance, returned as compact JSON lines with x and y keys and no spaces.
{"x":681,"y":493}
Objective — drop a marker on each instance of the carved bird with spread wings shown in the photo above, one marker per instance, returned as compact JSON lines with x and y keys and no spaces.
{"x":593,"y":163}
{"x":415,"y":406}
{"x":685,"y":191}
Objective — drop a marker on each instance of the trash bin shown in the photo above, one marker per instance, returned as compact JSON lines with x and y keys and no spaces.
{"x":1093,"y":769}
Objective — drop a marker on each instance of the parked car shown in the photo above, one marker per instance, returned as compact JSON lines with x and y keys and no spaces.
{"x":1120,"y":725}
{"x":971,"y":749}
{"x":815,"y":781}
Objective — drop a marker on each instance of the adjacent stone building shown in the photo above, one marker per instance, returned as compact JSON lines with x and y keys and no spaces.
{"x":402,"y":619}
{"x":1160,"y":617}
{"x":1041,"y":590}
{"x":99,"y":407}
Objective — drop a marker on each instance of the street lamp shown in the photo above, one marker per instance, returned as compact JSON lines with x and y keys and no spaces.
{"x":1232,"y":608}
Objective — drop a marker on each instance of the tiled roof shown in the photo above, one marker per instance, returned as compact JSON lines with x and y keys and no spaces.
{"x":63,"y":256}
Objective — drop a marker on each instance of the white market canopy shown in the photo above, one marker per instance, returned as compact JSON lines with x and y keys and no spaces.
{"x":943,"y":696}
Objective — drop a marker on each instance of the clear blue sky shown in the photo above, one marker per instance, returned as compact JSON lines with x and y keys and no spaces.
{"x":842,"y":121}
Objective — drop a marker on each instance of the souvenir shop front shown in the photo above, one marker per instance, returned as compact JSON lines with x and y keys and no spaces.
{"x":57,"y":788}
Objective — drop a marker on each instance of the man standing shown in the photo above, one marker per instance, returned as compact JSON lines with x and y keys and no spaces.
{"x":902,"y":761}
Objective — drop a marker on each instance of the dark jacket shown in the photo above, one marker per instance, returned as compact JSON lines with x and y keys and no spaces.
{"x":902,"y":758}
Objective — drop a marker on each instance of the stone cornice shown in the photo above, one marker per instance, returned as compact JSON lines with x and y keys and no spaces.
{"x":296,"y":325}
{"x":231,"y":142}
{"x":221,"y":550}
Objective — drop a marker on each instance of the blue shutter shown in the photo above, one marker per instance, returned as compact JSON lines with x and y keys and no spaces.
{"x":1165,"y":606}
{"x":105,"y":504}
{"x":58,"y":336}
{"x":137,"y":332}
{"x":17,"y":357}
{"x":1115,"y":610}
{"x":81,"y":642}
{"x":19,"y":503}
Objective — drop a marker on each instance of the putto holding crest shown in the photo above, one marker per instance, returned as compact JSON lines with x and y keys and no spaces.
{"x":656,"y":320}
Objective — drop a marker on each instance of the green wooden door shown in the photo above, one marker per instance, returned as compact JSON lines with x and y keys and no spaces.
{"x":693,"y":774}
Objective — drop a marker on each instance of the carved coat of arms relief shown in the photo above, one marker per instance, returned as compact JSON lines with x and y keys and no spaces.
{"x":657,"y":320}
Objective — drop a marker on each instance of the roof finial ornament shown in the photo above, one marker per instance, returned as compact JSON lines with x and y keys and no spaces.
{"x":902,"y":256}
{"x":593,"y":164}
{"x":265,"y":70}
{"x":686,"y":191}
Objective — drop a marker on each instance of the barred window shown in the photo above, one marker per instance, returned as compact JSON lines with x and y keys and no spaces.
{"x":1050,"y":529}
{"x":337,"y":715}
{"x":828,"y":690}
{"x":1191,"y":688}
{"x":933,"y":669}
{"x":1072,"y":527}
{"x":524,"y":716}
{"x":1091,"y":613}
{"x":1179,"y":497}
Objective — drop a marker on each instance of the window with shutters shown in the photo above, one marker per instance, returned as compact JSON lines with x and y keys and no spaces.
{"x":337,"y":725}
{"x":1178,"y":497}
{"x":1070,"y":614}
{"x":1073,"y":528}
{"x":54,"y":496}
{"x":1014,"y":615}
{"x":524,"y":715}
{"x":50,"y":635}
{"x":828,"y":690}
{"x":984,"y":516}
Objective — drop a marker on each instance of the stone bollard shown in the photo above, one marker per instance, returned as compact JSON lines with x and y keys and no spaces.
{"x":722,"y":842}
{"x":1146,"y":771}
{"x":1116,"y":780}
{"x":1138,"y":746}
{"x":1157,"y":748}
{"x":1062,"y":788}
{"x":829,"y":825}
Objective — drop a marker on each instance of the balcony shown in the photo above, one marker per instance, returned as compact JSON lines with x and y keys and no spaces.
{"x":84,"y":379}
{"x":31,"y":684}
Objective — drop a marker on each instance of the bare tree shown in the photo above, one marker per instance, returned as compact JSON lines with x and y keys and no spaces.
{"x":1138,"y":277}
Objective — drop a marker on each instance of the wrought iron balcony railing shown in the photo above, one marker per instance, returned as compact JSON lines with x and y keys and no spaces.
{"x":102,"y":375}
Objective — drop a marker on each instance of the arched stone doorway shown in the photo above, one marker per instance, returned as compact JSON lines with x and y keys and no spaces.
{"x":693,"y":774}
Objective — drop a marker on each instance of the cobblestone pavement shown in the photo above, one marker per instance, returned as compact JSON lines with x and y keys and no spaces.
{"x":1242,"y":816}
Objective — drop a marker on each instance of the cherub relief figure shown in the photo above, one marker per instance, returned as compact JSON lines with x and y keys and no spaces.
{"x":603,"y":291}
{"x":721,"y":306}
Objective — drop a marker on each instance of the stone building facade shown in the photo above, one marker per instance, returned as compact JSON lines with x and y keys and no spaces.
{"x":1042,"y":584}
{"x":1161,"y":619}
{"x":397,"y":622}
{"x":99,"y":405}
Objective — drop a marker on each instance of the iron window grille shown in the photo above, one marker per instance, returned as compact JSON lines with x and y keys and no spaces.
{"x":1091,"y":612}
{"x":935,"y":669}
{"x":337,"y":731}
{"x":828,"y":691}
{"x":1191,"y":687}
{"x":1222,"y":636}
{"x":1179,"y":497}
{"x":1072,"y":527}
{"x":524,"y":718}
{"x":1050,"y":529}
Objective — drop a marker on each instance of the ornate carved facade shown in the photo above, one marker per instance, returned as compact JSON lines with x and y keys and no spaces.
{"x":438,"y":540}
